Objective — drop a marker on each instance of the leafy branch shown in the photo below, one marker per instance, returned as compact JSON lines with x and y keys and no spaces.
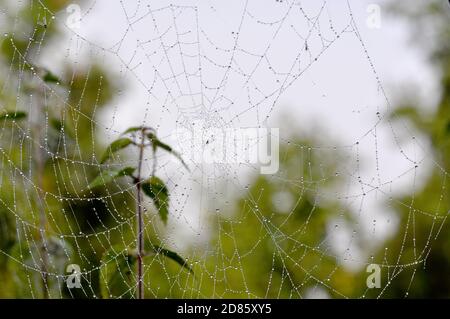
{"x":141,"y":137}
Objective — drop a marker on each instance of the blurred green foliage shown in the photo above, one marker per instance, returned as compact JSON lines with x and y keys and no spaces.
{"x":275,"y":242}
{"x":424,"y":234}
{"x":60,"y":113}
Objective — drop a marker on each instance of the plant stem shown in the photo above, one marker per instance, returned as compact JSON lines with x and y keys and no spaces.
{"x":39,"y":160}
{"x":139,"y":222}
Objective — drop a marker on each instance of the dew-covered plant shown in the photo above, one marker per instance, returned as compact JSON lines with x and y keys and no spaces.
{"x":152,"y":186}
{"x":40,"y":79}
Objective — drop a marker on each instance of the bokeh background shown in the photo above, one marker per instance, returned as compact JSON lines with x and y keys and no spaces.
{"x":359,"y":90}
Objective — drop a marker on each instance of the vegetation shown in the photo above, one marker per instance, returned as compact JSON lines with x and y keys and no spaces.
{"x":153,"y":187}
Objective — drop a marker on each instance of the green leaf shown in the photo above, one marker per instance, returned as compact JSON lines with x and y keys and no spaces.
{"x":46,"y":75}
{"x":132,"y":129}
{"x":49,"y":77}
{"x":116,"y":273}
{"x":157,"y":191}
{"x":127,"y":171}
{"x":109,"y":175}
{"x":12,"y":115}
{"x":157,"y":143}
{"x":173,"y":256}
{"x":115,"y":146}
{"x":151,"y":136}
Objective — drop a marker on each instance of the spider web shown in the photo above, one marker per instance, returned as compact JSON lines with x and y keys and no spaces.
{"x":217,"y":66}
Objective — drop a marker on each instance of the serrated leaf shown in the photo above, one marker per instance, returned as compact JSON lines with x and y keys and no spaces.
{"x":109,"y":175}
{"x":158,"y":192}
{"x":12,"y":115}
{"x":116,"y":273}
{"x":173,"y":256}
{"x":115,"y":146}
